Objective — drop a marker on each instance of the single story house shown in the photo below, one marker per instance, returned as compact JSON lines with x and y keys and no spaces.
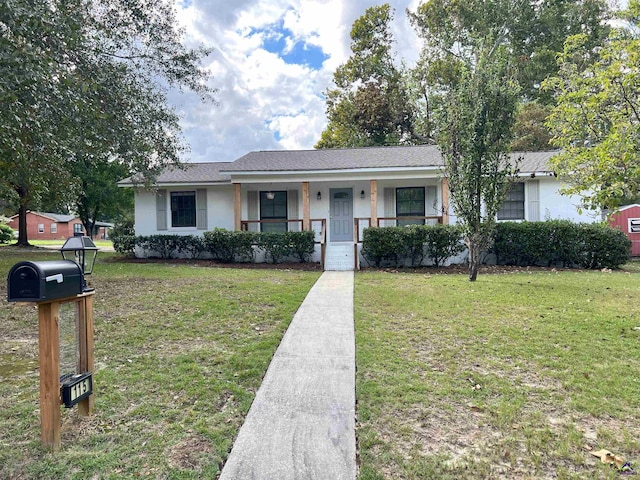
{"x":54,"y":226}
{"x":627,"y":219}
{"x":335,"y":192}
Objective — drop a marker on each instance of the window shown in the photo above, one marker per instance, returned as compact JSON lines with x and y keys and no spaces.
{"x":54,"y":228}
{"x":183,"y":209}
{"x":410,"y":203}
{"x":41,"y":228}
{"x":273,"y":209}
{"x":634,"y":225}
{"x":77,"y":229}
{"x":513,"y":205}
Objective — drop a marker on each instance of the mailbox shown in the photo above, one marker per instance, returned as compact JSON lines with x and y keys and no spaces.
{"x":44,"y":281}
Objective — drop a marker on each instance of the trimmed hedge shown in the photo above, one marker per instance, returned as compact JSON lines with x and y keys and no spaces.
{"x":229,"y":246}
{"x":560,"y":243}
{"x":398,"y":246}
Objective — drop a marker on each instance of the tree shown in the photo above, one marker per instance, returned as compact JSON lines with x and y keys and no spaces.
{"x":80,"y":85}
{"x":534,"y":32}
{"x":597,"y":118}
{"x":369,"y":104}
{"x":474,"y":141}
{"x":529,"y":131}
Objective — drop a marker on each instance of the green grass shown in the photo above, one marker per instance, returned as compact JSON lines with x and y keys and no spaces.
{"x":180,"y":352}
{"x":517,"y":375}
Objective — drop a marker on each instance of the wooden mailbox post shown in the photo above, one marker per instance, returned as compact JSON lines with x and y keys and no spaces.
{"x":49,"y":350}
{"x":51,"y":284}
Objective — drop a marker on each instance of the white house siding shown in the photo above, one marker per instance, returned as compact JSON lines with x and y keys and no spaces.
{"x":219,"y":211}
{"x":554,"y":206}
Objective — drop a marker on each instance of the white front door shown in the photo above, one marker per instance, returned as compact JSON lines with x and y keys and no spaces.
{"x":341,"y":211}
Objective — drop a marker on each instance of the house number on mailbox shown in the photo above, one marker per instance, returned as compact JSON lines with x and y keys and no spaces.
{"x":76,"y":388}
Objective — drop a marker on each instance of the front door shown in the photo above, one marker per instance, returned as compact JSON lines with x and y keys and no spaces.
{"x":341,"y":224}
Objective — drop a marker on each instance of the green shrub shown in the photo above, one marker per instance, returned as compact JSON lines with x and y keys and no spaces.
{"x":443,"y":242}
{"x":123,"y":237}
{"x":414,"y":239}
{"x":382,"y":244}
{"x":301,"y":244}
{"x":6,"y":233}
{"x":604,"y":247}
{"x":228,"y":246}
{"x":397,"y":245}
{"x":560,"y":242}
{"x":275,"y":245}
{"x":163,"y":245}
{"x":192,"y":246}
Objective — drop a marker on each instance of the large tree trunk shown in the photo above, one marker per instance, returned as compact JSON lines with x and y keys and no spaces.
{"x":474,"y":259}
{"x":23,"y":239}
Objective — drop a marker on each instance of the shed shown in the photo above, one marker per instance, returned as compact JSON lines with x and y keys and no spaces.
{"x":627,"y":219}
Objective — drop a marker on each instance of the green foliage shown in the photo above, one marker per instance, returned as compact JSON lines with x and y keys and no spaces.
{"x":83,"y":98}
{"x":301,"y":244}
{"x":532,"y":32}
{"x":191,"y":246}
{"x":443,"y":242}
{"x":399,"y":245}
{"x":123,"y":236}
{"x":530,"y":134}
{"x":162,"y":245}
{"x":228,"y":246}
{"x":274,"y":244}
{"x":474,"y":140}
{"x":382,"y":244}
{"x":604,"y":247}
{"x":6,"y":233}
{"x":369,"y":104}
{"x":560,"y":243}
{"x":596,"y":119}
{"x":414,"y":238}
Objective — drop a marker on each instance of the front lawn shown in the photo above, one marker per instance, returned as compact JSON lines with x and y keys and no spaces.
{"x":180,"y":352}
{"x":519,"y":375}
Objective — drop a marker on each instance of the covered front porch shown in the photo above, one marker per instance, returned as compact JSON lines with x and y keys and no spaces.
{"x":338,"y":211}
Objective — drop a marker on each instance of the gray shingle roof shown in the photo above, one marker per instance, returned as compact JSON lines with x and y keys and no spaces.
{"x":338,"y":159}
{"x":418,"y":156}
{"x":370,"y":157}
{"x":57,"y":217}
{"x":209,"y":172}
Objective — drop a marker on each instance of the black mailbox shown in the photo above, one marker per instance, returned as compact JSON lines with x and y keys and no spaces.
{"x":43,"y":281}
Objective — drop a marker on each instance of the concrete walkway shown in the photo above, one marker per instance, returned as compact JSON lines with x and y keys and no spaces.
{"x":302,"y":422}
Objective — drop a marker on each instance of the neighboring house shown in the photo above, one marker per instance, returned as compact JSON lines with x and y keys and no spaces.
{"x":53,"y":226}
{"x":627,"y":219}
{"x":49,"y":226}
{"x":335,"y":192}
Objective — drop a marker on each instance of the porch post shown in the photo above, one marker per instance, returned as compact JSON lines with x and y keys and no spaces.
{"x":237,"y":207}
{"x":306,"y":210}
{"x":374,"y":203}
{"x":445,"y":201}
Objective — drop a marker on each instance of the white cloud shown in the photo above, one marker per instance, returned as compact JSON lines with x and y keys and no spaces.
{"x":264,"y":102}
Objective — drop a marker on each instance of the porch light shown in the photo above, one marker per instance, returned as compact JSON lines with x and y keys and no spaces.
{"x":319,"y":196}
{"x":362,"y":194}
{"x":82,"y":251}
{"x":270,"y":195}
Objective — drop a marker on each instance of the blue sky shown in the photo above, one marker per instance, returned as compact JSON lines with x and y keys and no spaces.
{"x":281,"y":41}
{"x":272,"y":61}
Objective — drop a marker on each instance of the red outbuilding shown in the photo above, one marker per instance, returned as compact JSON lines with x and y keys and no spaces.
{"x":627,"y":219}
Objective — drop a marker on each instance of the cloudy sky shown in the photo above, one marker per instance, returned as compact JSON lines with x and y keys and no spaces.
{"x":273,"y":60}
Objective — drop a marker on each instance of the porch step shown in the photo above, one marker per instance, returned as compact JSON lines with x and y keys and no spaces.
{"x":339,"y":257}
